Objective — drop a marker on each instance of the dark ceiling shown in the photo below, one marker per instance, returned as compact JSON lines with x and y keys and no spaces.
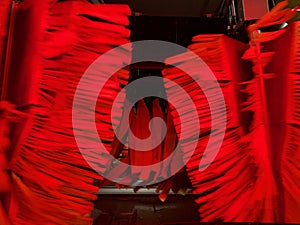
{"x":177,"y":8}
{"x":179,"y":30}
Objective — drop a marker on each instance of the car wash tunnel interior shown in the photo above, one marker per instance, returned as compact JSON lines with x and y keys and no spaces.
{"x":149,"y":112}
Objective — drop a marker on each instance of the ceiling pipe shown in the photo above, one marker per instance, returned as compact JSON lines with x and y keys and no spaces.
{"x":98,"y":2}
